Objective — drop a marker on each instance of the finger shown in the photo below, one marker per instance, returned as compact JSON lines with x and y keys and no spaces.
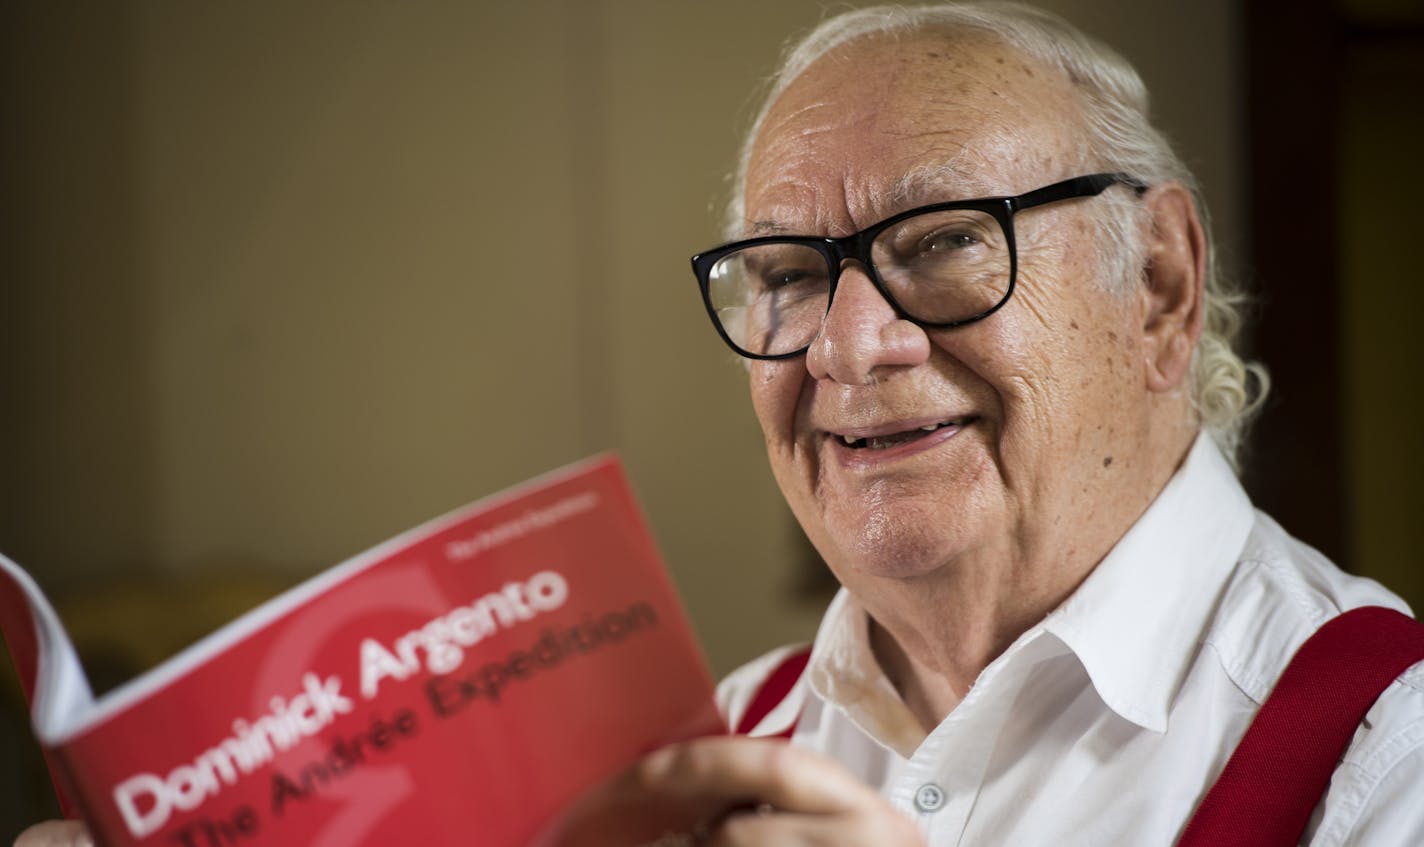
{"x":720,"y":772}
{"x":760,"y":828}
{"x":55,"y":834}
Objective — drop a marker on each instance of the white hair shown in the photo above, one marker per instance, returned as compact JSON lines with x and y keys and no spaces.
{"x":1226,"y":390}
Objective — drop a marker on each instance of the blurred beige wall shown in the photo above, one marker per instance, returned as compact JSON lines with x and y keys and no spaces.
{"x":280,"y":280}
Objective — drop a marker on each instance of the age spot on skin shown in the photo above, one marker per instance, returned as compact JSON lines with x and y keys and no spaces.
{"x":1107,"y":461}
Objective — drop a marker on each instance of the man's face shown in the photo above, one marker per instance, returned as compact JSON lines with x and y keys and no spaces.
{"x":998,"y":441}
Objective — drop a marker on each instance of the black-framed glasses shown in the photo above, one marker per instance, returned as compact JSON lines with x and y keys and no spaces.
{"x":940,"y":266}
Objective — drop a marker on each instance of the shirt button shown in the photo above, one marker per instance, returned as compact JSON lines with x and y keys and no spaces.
{"x":929,"y":798}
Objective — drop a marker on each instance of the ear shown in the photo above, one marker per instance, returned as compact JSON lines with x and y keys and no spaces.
{"x":1172,"y":296}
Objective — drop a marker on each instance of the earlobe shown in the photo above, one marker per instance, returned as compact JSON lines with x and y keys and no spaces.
{"x":1175,"y":285}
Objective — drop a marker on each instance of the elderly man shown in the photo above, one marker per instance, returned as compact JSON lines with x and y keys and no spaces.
{"x":1009,"y":426}
{"x":993,"y":368}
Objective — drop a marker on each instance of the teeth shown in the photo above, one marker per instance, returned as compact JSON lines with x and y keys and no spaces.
{"x":889,"y":440}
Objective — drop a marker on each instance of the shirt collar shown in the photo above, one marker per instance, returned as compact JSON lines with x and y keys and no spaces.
{"x":1136,"y":622}
{"x":843,"y":671}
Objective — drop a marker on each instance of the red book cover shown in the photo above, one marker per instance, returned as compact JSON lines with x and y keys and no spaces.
{"x":463,"y":683}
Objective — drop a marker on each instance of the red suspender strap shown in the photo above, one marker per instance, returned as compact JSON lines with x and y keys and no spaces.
{"x":1280,"y":770}
{"x":773,"y":690}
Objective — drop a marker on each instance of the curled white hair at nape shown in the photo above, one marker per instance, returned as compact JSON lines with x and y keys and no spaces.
{"x":1226,"y":390}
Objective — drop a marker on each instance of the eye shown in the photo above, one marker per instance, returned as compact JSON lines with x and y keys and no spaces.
{"x":946,"y":241}
{"x":938,"y":237}
{"x":782,"y":277}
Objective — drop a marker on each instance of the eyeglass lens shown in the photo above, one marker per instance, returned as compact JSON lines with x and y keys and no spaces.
{"x":938,"y":267}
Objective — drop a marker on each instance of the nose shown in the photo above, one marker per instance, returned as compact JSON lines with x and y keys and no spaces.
{"x":861,"y":332}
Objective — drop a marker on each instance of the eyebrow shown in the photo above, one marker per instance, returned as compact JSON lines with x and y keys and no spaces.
{"x":921,"y":185}
{"x":938,"y":182}
{"x":759,"y":228}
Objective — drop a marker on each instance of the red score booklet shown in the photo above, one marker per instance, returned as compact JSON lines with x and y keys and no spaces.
{"x":463,"y":683}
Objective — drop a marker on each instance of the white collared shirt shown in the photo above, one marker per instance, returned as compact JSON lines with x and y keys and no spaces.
{"x":1106,"y":723}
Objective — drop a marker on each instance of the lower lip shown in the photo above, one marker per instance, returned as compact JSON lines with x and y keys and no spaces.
{"x":870,"y":457}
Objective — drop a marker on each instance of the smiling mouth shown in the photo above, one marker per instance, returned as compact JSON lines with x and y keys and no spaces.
{"x":895,"y":439}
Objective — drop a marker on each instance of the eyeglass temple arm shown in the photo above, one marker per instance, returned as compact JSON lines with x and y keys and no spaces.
{"x":1078,"y":186}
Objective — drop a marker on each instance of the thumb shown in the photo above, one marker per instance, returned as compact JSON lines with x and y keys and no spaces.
{"x":55,"y":834}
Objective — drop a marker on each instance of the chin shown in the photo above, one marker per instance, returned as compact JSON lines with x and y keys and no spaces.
{"x":908,"y":564}
{"x":897,"y":529}
{"x":900,"y":547}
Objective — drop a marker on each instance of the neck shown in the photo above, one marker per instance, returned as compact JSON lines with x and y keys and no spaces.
{"x":933,"y":635}
{"x":935,"y":640}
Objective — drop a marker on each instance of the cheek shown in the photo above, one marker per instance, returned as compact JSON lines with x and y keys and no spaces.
{"x":776,"y":390}
{"x":1011,"y":355}
{"x":1055,"y":365}
{"x":1077,"y":388}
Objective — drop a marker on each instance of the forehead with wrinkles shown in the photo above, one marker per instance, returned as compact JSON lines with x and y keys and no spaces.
{"x":887,"y":122}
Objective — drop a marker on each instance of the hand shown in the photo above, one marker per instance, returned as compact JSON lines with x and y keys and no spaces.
{"x":55,"y":834}
{"x":731,"y":791}
{"x":758,"y":791}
